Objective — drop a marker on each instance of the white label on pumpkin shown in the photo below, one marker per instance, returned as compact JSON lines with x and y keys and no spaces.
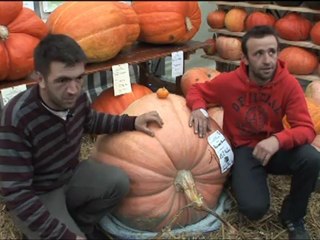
{"x":223,"y":150}
{"x":177,"y":63}
{"x":8,"y":93}
{"x":121,"y":79}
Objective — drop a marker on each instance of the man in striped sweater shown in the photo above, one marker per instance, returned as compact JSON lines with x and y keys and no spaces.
{"x":49,"y":193}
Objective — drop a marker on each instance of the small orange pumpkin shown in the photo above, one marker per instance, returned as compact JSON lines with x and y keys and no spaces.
{"x":234,"y":19}
{"x":215,"y":19}
{"x":108,"y":103}
{"x":299,"y":60}
{"x":259,"y":18}
{"x":229,"y":47}
{"x":20,"y":32}
{"x":162,"y":93}
{"x":168,"y":21}
{"x":196,"y":75}
{"x":294,"y":27}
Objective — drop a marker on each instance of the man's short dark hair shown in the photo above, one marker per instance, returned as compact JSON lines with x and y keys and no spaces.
{"x":57,"y":47}
{"x":257,"y":32}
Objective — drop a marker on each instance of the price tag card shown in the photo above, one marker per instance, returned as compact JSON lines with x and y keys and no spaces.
{"x":8,"y":93}
{"x":177,"y":63}
{"x":121,"y":79}
{"x":223,"y":150}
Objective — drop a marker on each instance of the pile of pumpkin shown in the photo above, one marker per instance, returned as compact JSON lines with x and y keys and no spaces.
{"x":102,"y":29}
{"x":293,"y":26}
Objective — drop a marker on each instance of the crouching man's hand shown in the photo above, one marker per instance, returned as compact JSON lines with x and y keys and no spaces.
{"x":141,"y":123}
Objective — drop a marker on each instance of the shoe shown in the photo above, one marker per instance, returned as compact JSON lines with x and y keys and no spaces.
{"x":296,"y":229}
{"x":98,"y":234}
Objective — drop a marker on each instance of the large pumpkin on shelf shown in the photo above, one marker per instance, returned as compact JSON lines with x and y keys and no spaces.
{"x":315,"y":33}
{"x":196,"y":75}
{"x":20,"y":32}
{"x":294,"y":27}
{"x":108,"y":103}
{"x":168,"y":21}
{"x":299,"y":60}
{"x":157,"y":165}
{"x":229,"y":47}
{"x":235,"y":19}
{"x":258,"y":18}
{"x":100,"y":28}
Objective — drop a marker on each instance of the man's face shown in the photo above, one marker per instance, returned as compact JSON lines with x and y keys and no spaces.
{"x":262,"y":58}
{"x":63,"y":85}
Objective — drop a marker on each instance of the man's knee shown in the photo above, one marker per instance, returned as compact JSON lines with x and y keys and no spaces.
{"x":254,"y":210}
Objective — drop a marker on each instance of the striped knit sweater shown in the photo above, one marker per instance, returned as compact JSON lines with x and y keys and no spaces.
{"x":39,"y":151}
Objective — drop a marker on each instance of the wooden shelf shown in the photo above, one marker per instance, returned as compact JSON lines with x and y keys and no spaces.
{"x":268,"y":6}
{"x":136,"y":54}
{"x":305,"y":44}
{"x":237,"y":63}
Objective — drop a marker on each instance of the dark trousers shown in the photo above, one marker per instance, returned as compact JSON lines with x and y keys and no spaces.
{"x":249,"y":180}
{"x":94,"y":190}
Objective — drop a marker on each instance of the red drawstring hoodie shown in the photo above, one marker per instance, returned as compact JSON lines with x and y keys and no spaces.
{"x":252,"y":112}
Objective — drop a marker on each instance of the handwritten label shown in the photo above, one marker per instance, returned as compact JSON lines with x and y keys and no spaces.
{"x":223,"y":150}
{"x":177,"y":63}
{"x":8,"y":93}
{"x":121,"y":79}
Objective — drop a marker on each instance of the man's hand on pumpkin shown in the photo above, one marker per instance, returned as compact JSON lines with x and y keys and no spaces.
{"x":199,"y":119}
{"x":142,"y":121}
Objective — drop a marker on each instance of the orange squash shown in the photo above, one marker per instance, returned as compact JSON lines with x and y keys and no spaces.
{"x":132,"y":21}
{"x":162,"y":92}
{"x":313,"y":91}
{"x":215,"y":19}
{"x":294,"y":27}
{"x":229,"y":47}
{"x":299,"y":60}
{"x":100,"y":28}
{"x":235,"y":19}
{"x":314,"y":111}
{"x":259,"y":18}
{"x":168,"y":21}
{"x":108,"y":103}
{"x":157,"y":165}
{"x":315,"y":33}
{"x":196,"y":75}
{"x":20,"y":32}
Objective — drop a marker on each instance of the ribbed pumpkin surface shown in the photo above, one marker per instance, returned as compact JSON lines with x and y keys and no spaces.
{"x":153,"y":163}
{"x":20,"y":32}
{"x":167,"y":21}
{"x":99,"y":27}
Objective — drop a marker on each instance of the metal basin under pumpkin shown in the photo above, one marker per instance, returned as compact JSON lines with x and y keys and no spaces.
{"x":167,"y":171}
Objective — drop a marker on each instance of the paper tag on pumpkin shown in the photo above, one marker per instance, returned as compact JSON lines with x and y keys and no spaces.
{"x":177,"y":63}
{"x":223,"y":150}
{"x":121,"y":79}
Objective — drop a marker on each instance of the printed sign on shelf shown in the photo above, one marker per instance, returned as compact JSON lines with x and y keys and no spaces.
{"x":121,"y":79}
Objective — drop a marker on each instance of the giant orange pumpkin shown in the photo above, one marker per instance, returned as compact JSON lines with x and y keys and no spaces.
{"x":167,"y":21}
{"x":100,"y":28}
{"x":294,"y":27}
{"x":258,"y":18}
{"x":315,"y":33}
{"x":299,"y":60}
{"x":235,"y":19}
{"x":229,"y":47}
{"x":20,"y":32}
{"x":132,"y":21}
{"x":108,"y":103}
{"x":196,"y":75}
{"x":159,"y":166}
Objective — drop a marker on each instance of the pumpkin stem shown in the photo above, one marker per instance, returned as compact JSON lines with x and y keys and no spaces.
{"x":184,"y":182}
{"x":188,"y":24}
{"x":4,"y":33}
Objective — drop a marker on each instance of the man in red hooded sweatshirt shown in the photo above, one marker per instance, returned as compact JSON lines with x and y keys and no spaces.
{"x":255,"y":97}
